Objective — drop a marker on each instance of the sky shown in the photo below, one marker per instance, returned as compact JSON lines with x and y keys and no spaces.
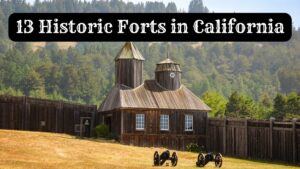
{"x":291,"y":7}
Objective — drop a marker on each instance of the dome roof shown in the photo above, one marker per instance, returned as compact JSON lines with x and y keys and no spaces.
{"x":168,"y":60}
{"x":167,"y":65}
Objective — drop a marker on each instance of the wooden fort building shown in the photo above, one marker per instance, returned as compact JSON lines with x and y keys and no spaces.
{"x":159,"y":112}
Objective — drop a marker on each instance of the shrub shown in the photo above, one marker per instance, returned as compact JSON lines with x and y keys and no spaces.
{"x":193,"y":147}
{"x":102,"y":130}
{"x":112,"y":136}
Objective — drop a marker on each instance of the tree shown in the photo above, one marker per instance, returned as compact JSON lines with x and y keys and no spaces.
{"x":85,"y":73}
{"x":11,"y":91}
{"x":70,"y":83}
{"x":240,"y":106}
{"x":216,"y":102}
{"x":196,"y":6}
{"x":293,"y":104}
{"x":24,"y":47}
{"x":4,"y":45}
{"x":52,"y":76}
{"x":171,"y":7}
{"x":32,"y":82}
{"x":51,"y":46}
{"x":279,"y":106}
{"x":265,"y":106}
{"x":290,"y":79}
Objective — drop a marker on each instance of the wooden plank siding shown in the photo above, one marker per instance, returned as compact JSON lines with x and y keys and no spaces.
{"x":176,"y":122}
{"x":254,"y":139}
{"x":24,"y":113}
{"x":175,"y":137}
{"x":129,"y":72}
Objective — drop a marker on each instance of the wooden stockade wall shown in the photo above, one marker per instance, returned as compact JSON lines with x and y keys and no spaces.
{"x":245,"y":138}
{"x":25,"y":113}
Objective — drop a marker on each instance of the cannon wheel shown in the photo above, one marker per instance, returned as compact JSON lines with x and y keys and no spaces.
{"x":174,"y":159}
{"x":201,"y":160}
{"x":156,"y":159}
{"x":218,"y":160}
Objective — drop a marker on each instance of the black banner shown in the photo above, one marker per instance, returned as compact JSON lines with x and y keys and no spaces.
{"x":150,"y":27}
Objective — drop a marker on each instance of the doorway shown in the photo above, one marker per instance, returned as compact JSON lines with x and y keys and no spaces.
{"x":85,"y":126}
{"x":107,"y":121}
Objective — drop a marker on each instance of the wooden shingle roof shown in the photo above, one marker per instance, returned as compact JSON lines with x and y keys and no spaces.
{"x":167,"y":65}
{"x":129,"y":51}
{"x":168,"y":60}
{"x":151,"y":96}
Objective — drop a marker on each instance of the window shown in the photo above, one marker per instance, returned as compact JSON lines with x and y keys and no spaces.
{"x":164,"y":122}
{"x":139,"y":121}
{"x":188,"y":123}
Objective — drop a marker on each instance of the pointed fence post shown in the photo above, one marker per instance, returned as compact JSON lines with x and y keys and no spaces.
{"x":207,"y":146}
{"x":272,"y":119}
{"x":224,"y":135}
{"x":246,"y":137}
{"x":294,"y":140}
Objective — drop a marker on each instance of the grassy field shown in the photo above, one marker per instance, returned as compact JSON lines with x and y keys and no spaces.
{"x":20,"y":149}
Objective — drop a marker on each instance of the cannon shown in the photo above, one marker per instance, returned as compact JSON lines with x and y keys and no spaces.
{"x":209,"y":157}
{"x":159,"y":160}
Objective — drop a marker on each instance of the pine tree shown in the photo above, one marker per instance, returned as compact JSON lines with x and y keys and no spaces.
{"x":279,"y":106}
{"x":196,"y":6}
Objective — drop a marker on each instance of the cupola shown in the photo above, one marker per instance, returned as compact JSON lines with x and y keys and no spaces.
{"x":168,"y":74}
{"x":129,"y":66}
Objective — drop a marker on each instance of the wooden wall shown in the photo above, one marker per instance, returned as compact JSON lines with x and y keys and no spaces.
{"x":172,"y":141}
{"x":115,"y":120}
{"x":176,"y":137}
{"x":24,"y":113}
{"x":176,"y":122}
{"x":129,"y":72}
{"x":267,"y":140}
{"x":164,"y":79}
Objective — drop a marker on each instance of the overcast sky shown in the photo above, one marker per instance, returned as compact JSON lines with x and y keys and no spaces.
{"x":289,"y":6}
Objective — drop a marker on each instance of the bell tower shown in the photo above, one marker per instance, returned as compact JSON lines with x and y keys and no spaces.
{"x":168,"y":74}
{"x":129,"y":66}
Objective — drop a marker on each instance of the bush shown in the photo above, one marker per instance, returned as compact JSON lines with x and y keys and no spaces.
{"x":102,"y":130}
{"x":112,"y":136}
{"x":193,"y":147}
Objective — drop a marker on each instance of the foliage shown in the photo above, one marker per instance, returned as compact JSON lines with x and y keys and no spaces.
{"x":196,"y":6}
{"x":194,"y":147}
{"x":279,"y":106}
{"x":85,"y":73}
{"x":112,"y":136}
{"x":286,"y":106}
{"x":240,"y":106}
{"x":102,"y":130}
{"x":216,"y":102}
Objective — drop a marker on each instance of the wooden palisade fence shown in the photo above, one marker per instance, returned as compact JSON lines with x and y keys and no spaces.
{"x":25,"y":113}
{"x":255,"y":139}
{"x":245,"y":138}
